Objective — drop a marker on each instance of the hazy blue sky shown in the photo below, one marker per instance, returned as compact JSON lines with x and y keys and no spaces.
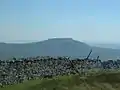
{"x":83,"y":20}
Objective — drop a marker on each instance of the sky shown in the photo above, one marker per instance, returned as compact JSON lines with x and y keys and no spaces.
{"x":96,"y":21}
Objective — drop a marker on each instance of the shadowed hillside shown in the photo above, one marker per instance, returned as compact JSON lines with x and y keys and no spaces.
{"x":55,"y":47}
{"x":103,"y":81}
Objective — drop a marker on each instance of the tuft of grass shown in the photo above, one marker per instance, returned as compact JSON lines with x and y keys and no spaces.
{"x":104,"y":81}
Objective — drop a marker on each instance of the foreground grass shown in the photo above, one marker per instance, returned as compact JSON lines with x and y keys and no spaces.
{"x":104,"y":81}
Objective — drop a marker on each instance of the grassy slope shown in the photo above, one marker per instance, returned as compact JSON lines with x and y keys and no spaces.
{"x":99,"y":82}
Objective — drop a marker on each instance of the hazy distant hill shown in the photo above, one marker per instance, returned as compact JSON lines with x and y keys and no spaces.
{"x":107,"y":45}
{"x":55,"y":47}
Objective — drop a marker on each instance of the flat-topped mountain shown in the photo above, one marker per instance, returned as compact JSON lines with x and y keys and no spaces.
{"x":55,"y":47}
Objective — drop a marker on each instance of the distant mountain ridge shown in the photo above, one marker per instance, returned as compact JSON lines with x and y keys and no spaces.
{"x":55,"y":47}
{"x":107,"y":45}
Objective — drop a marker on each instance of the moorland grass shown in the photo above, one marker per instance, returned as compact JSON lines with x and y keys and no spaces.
{"x":103,"y":81}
